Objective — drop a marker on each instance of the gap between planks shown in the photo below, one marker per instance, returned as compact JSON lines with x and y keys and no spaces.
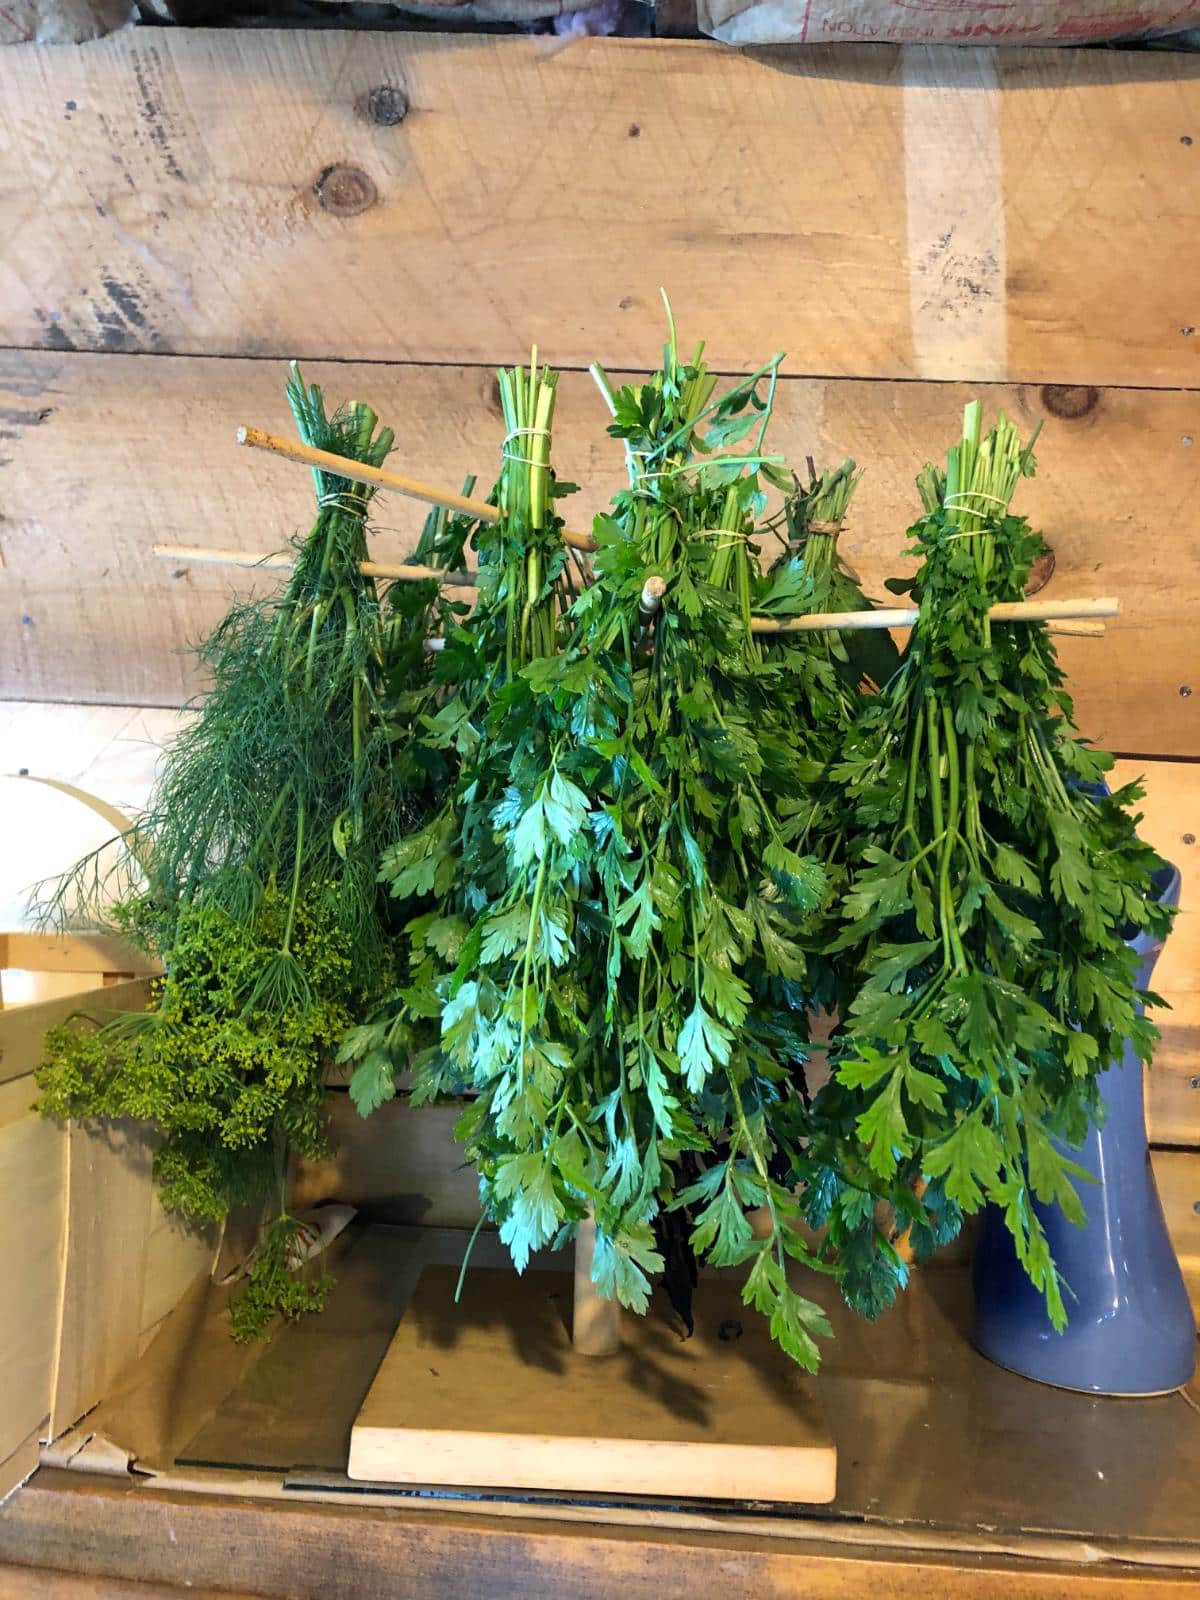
{"x":632,"y":367}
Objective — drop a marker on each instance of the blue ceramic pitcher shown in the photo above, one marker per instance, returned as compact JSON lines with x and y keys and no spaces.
{"x":1131,"y":1329}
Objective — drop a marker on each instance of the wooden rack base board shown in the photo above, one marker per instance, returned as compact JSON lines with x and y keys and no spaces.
{"x":492,"y":1394}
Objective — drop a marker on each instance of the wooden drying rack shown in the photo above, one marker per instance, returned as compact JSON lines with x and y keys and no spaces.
{"x":404,"y":1432}
{"x":1078,"y":617}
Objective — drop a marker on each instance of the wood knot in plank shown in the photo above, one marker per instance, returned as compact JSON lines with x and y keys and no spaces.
{"x":1040,"y":572}
{"x":385,"y":105}
{"x":344,"y":191}
{"x":1069,"y":401}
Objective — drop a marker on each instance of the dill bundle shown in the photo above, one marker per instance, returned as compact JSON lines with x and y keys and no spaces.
{"x":253,"y":876}
{"x":994,"y":885}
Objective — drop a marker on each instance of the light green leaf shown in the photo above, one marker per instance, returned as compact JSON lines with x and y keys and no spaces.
{"x":621,"y":1264}
{"x":969,"y":1160}
{"x":703,"y":1043}
{"x":372,"y":1083}
{"x":883,"y":1129}
{"x":505,"y":933}
{"x":526,"y":1183}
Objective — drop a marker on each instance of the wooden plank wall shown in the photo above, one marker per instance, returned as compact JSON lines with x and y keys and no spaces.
{"x":875,"y":212}
{"x":878,"y":212}
{"x":33,"y":1168}
{"x":183,"y":210}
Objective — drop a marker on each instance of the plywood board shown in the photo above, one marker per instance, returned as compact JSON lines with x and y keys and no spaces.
{"x":23,"y":1030}
{"x":176,"y":1254}
{"x":108,"y":1207}
{"x":70,"y":954}
{"x":127,"y":1263}
{"x":91,"y":1187}
{"x":1177,"y":1175}
{"x":876,"y":211}
{"x":1173,"y":1080}
{"x":491,"y":1392}
{"x":32,"y":1184}
{"x":401,"y":1164}
{"x":1171,"y":823}
{"x":21,"y":1462}
{"x":96,"y":618}
{"x":941,"y":1450}
{"x":21,"y":987}
{"x":36,"y":967}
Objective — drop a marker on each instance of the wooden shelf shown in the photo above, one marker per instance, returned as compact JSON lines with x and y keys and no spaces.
{"x":297,"y":1551}
{"x":955,"y":1477}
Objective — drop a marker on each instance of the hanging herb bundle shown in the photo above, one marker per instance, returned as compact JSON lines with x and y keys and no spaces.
{"x":482,"y":722}
{"x":994,"y":886}
{"x":815,"y":519}
{"x":831,"y":673}
{"x":603,"y":920}
{"x":253,"y":879}
{"x":704,"y":896}
{"x":633,"y":1016}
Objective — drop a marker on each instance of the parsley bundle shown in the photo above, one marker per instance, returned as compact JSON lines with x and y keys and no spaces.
{"x":830,"y":672}
{"x":253,"y":878}
{"x":602,"y":921}
{"x":696,"y":1051}
{"x":994,"y":886}
{"x":479,"y":720}
{"x":815,"y":518}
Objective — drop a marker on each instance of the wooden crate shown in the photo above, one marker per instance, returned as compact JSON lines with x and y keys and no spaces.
{"x":91,"y":1262}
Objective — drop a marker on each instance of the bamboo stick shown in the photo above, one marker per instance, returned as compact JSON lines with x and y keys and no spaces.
{"x":407,"y":572}
{"x":1077,"y":617}
{"x":906,"y":616}
{"x":1067,"y":612}
{"x":1082,"y":629}
{"x":1054,"y":610}
{"x":359,"y":472}
{"x":652,"y":594}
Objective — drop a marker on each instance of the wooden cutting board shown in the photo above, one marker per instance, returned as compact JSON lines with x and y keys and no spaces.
{"x":491,"y":1393}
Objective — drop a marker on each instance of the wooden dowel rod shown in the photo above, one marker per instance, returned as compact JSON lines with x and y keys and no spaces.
{"x":432,"y":494}
{"x":207,"y":556}
{"x":409,"y":572}
{"x":1078,"y":630}
{"x":652,"y":593}
{"x":359,"y":472}
{"x":596,"y":1325}
{"x":406,"y":572}
{"x":1081,"y":630}
{"x":1073,"y":616}
{"x":1054,"y":610}
{"x":906,"y":616}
